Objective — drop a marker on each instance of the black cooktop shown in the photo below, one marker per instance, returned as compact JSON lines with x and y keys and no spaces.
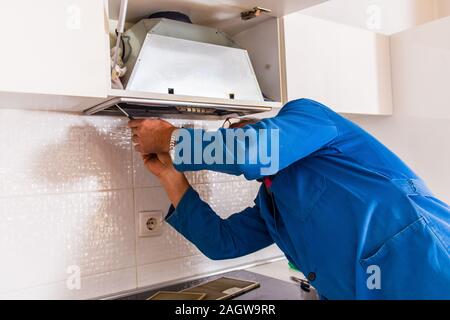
{"x":270,"y":288}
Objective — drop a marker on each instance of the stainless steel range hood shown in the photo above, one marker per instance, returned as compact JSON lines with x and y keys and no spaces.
{"x":145,"y":108}
{"x":173,"y":58}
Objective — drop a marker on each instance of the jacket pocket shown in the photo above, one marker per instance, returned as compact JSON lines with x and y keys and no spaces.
{"x":410,"y":265}
{"x":391,"y":244}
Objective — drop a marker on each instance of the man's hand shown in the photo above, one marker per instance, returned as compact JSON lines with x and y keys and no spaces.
{"x":160,"y":165}
{"x":174,"y":182}
{"x":151,"y":136}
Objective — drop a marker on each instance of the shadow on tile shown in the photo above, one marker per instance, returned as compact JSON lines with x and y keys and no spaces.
{"x":88,"y":158}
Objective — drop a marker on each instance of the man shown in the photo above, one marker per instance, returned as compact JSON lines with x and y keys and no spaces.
{"x":344,"y":209}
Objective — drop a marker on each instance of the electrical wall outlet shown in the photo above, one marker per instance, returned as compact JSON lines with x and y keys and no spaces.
{"x":150,"y":223}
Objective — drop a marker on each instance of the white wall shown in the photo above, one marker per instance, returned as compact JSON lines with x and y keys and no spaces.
{"x":419,"y":131}
{"x":345,"y":67}
{"x":395,"y":15}
{"x":70,"y":191}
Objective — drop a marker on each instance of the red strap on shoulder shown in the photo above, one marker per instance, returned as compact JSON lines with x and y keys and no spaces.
{"x":268,"y":182}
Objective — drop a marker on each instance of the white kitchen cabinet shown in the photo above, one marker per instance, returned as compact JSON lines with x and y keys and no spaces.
{"x":53,"y":47}
{"x":344,"y":67}
{"x":55,"y":53}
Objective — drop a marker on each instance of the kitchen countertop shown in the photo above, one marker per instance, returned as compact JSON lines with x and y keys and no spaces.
{"x":278,"y":270}
{"x":272,"y":277}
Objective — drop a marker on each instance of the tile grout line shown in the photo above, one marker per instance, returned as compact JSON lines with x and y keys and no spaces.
{"x":133,"y":191}
{"x":30,"y":195}
{"x":94,"y":274}
{"x":197,"y":184}
{"x":199,"y":254}
{"x":45,"y":284}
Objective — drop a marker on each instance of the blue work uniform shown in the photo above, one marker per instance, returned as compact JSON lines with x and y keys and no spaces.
{"x":344,"y":209}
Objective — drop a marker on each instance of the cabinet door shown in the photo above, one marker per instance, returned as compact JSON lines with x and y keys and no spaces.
{"x":54,"y":47}
{"x":279,"y":8}
{"x":343,"y":67}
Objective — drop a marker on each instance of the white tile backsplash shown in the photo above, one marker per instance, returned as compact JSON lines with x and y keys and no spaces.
{"x":97,"y":285}
{"x":170,"y":257}
{"x":186,"y":267}
{"x":165,"y":271}
{"x":171,"y":244}
{"x":227,"y":198}
{"x":42,"y":236}
{"x":71,"y":188}
{"x":142,"y":177}
{"x":203,"y":177}
{"x":49,"y":152}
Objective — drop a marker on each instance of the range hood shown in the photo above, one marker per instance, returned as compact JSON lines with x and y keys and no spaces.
{"x":177,"y":59}
{"x":146,"y":108}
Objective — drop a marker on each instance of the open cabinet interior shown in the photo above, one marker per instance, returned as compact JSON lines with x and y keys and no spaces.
{"x":259,"y":38}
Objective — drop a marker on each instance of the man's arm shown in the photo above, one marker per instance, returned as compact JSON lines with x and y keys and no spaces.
{"x":241,"y":234}
{"x":301,"y":128}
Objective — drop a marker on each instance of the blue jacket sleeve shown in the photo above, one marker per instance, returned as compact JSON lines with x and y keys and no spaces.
{"x":301,"y":128}
{"x":241,"y":234}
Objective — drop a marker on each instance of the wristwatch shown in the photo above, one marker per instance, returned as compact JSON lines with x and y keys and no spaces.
{"x":172,"y":144}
